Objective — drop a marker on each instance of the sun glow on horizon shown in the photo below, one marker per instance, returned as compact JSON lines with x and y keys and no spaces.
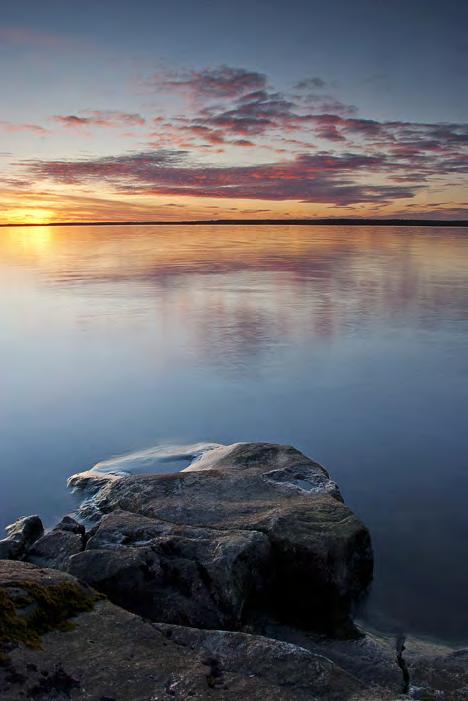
{"x":29,"y":215}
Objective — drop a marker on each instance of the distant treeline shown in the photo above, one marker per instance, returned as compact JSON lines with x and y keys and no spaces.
{"x":267,"y":222}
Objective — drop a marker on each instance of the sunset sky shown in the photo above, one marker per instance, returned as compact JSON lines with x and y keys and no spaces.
{"x":207,"y":109}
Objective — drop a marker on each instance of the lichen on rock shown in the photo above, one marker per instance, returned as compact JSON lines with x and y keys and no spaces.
{"x":29,"y":610}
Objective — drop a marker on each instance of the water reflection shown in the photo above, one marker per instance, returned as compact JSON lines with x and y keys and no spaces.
{"x":349,"y":343}
{"x":237,"y":292}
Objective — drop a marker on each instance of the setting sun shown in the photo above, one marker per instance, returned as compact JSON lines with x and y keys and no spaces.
{"x":30,"y":215}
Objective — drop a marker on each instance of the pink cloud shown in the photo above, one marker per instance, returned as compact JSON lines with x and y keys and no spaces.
{"x":100,"y":118}
{"x":35,"y":128}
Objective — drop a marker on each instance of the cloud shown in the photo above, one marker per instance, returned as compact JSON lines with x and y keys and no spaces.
{"x":35,"y":128}
{"x":433,"y":212}
{"x":234,"y":106}
{"x":253,"y":211}
{"x":253,"y":114}
{"x":100,"y":118}
{"x":15,"y":182}
{"x":72,"y":121}
{"x":309,"y":84}
{"x":323,"y":151}
{"x":320,"y":177}
{"x":221,"y":82}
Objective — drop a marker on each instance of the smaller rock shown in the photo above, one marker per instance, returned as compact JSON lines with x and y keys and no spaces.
{"x":21,"y":535}
{"x":69,"y":524}
{"x":10,"y":549}
{"x":26,"y":530}
{"x":54,"y":549}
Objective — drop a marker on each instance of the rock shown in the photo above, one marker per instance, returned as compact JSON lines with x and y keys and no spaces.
{"x":436,"y":671}
{"x":69,"y":524}
{"x":54,"y":549}
{"x":321,"y":553}
{"x":179,"y":574}
{"x":370,"y":658}
{"x":10,"y":549}
{"x":108,"y":653}
{"x":21,"y":535}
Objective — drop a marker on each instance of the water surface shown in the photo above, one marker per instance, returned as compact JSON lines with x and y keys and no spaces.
{"x":349,"y":343}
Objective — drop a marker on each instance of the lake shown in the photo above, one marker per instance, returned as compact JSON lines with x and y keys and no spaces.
{"x":350,"y":343}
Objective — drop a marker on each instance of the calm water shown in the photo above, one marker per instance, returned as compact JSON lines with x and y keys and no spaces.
{"x":349,"y":343}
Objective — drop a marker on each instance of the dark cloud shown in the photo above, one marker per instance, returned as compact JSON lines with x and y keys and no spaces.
{"x":14,"y":182}
{"x":254,"y":115}
{"x":234,"y":106}
{"x":222,"y":82}
{"x":435,"y":213}
{"x":309,"y":84}
{"x":320,"y":177}
{"x":324,"y":152}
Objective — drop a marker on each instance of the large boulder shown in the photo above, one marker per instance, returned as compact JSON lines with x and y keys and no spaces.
{"x":201,"y":577}
{"x":321,"y":555}
{"x":92,"y":650}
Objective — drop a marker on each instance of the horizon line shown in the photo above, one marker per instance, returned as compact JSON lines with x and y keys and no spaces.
{"x":260,"y":222}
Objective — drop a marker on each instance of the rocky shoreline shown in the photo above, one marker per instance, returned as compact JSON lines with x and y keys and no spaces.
{"x":236,"y":576}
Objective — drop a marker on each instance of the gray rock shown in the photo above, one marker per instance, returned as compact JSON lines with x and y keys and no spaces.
{"x":54,"y":549}
{"x":109,"y":653}
{"x":10,"y":549}
{"x":370,"y":658}
{"x":21,"y":535}
{"x":178,"y":574}
{"x":436,"y":671}
{"x":69,"y":524}
{"x":322,"y":554}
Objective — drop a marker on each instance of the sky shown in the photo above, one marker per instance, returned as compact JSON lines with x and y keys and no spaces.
{"x":209,"y":109}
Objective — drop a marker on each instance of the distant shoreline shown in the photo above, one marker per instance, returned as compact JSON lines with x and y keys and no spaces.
{"x":263,"y":222}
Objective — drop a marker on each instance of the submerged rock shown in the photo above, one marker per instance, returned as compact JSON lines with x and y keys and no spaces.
{"x":105,"y":652}
{"x":321,"y":555}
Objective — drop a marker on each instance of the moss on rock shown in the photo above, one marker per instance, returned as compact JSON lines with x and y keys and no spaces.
{"x":51,"y":608}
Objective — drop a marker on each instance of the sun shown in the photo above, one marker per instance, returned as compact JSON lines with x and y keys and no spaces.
{"x":29,"y":215}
